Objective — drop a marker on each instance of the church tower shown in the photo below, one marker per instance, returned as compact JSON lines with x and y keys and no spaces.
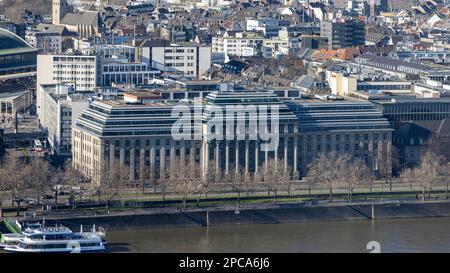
{"x":59,"y":9}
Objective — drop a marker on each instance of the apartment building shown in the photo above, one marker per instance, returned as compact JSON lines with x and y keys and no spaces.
{"x":187,"y":59}
{"x":343,"y":33}
{"x":238,"y":44}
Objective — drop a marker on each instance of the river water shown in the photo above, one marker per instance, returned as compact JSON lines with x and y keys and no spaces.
{"x":391,"y":235}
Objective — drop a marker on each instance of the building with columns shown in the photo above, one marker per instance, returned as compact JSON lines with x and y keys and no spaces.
{"x":244,"y":149}
{"x":350,"y":127}
{"x":228,"y":133}
{"x":136,"y":135}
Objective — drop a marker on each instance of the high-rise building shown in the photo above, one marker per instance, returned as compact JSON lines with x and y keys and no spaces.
{"x":76,"y":69}
{"x":343,"y":33}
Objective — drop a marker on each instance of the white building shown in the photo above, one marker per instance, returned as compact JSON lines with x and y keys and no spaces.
{"x":120,"y":64}
{"x":187,"y":59}
{"x":240,"y":44}
{"x":120,"y":71}
{"x":77,"y":69}
{"x":59,"y":110}
{"x":48,"y":41}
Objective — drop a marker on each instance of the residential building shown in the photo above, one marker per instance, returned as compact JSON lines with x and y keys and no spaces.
{"x":188,"y":59}
{"x":238,"y":44}
{"x":343,"y":33}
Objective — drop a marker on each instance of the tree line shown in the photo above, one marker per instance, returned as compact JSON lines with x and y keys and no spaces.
{"x":34,"y":177}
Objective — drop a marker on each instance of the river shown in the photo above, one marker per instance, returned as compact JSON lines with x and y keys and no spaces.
{"x":393,"y":235}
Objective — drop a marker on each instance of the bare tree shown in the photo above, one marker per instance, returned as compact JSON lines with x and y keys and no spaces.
{"x":249,"y":183}
{"x":409,"y":175}
{"x":71,"y":180}
{"x":238,"y":183}
{"x":274,"y":176}
{"x":57,"y":183}
{"x":328,"y":170}
{"x":112,"y":181}
{"x":185,"y":180}
{"x":210,"y":177}
{"x":3,"y":185}
{"x":427,"y":173}
{"x":354,"y":174}
{"x":385,"y":161}
{"x":145,"y":177}
{"x":14,"y":177}
{"x":40,"y":173}
{"x":445,"y":174}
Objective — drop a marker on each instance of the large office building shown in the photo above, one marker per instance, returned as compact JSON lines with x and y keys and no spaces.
{"x":400,"y":110}
{"x":79,"y":70}
{"x":343,"y":33}
{"x":350,"y":126}
{"x":139,"y":134}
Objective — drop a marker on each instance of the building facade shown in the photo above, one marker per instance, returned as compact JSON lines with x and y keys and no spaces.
{"x":59,"y":111}
{"x":343,"y":33}
{"x":47,"y":41}
{"x":226,"y":134}
{"x":189,"y":60}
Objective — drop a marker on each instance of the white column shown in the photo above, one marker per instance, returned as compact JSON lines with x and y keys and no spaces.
{"x":286,"y":142}
{"x":192,"y":152}
{"x":256,"y":156}
{"x":182,"y":151}
{"x":266,"y":159}
{"x":246,"y":162}
{"x":237,"y":156}
{"x":141,"y":160}
{"x":227,"y":156}
{"x":217,"y":156}
{"x":152,"y":161}
{"x":295,"y":154}
{"x":112,"y":151}
{"x":162,"y":161}
{"x":132,"y":160}
{"x":122,"y":153}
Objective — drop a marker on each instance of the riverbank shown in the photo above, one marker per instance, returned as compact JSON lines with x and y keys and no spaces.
{"x":273,"y":214}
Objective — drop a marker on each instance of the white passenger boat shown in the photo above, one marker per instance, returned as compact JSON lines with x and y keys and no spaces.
{"x":58,"y":239}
